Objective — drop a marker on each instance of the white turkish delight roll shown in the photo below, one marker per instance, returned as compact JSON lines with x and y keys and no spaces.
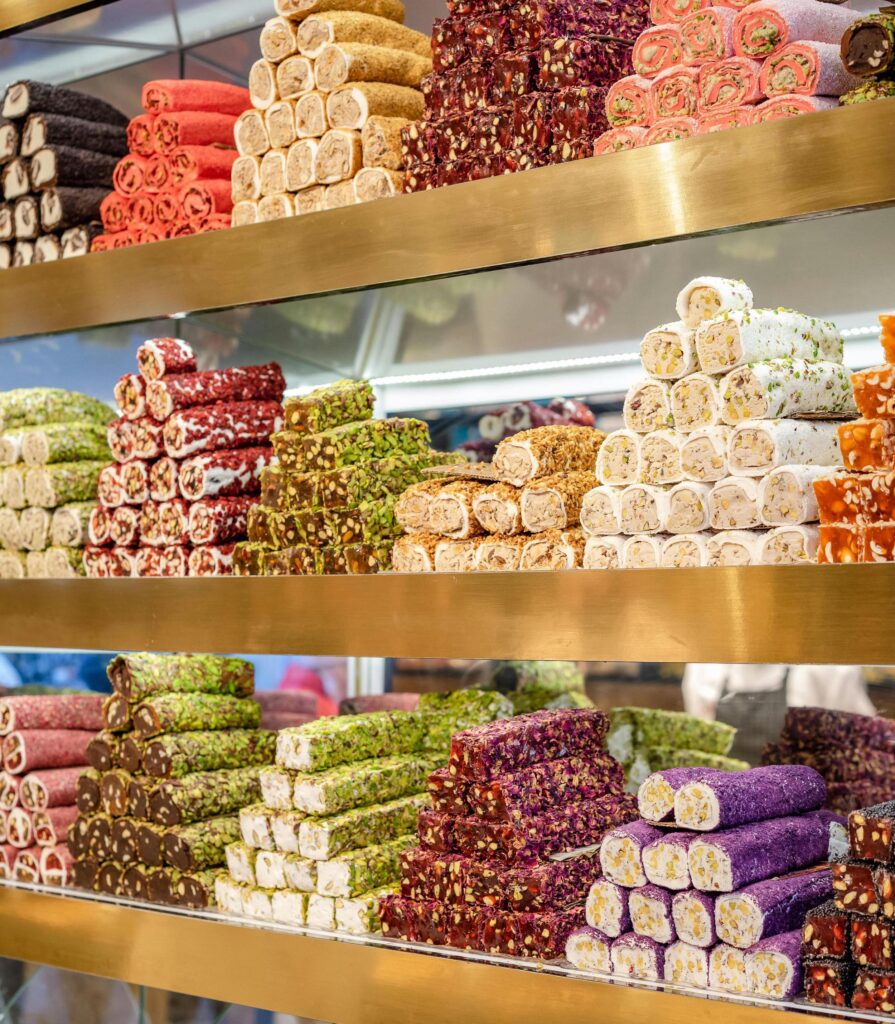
{"x":694,"y":918}
{"x":290,"y":907}
{"x":499,"y":554}
{"x":621,"y":853}
{"x":758,"y":446}
{"x":637,"y":956}
{"x":733,"y":503}
{"x":618,"y":460}
{"x":650,"y":908}
{"x":648,"y":407}
{"x":603,"y":552}
{"x":643,"y":552}
{"x":10,"y":529}
{"x":786,"y":495}
{"x":750,"y":336}
{"x":668,"y":352}
{"x":688,"y":507}
{"x":601,"y":511}
{"x":735,"y":547}
{"x":687,"y":965}
{"x":241,"y":862}
{"x":269,"y":869}
{"x":774,"y":966}
{"x":644,"y":509}
{"x":665,"y":860}
{"x":696,"y":402}
{"x":300,"y":873}
{"x":727,"y":970}
{"x":705,"y":298}
{"x":704,"y":453}
{"x":258,"y":903}
{"x":588,"y":949}
{"x":606,"y":908}
{"x":660,"y":457}
{"x":321,"y":911}
{"x":790,"y":545}
{"x":786,"y":387}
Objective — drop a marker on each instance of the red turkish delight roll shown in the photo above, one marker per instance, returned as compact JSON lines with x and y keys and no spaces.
{"x":739,"y":117}
{"x":99,"y":526}
{"x":27,"y":865}
{"x":578,"y":113}
{"x":216,"y":520}
{"x":19,"y":828}
{"x":807,"y":69}
{"x":60,"y":711}
{"x":54,"y":787}
{"x":130,"y":396}
{"x":129,"y":174}
{"x":564,"y":62}
{"x":513,"y":75}
{"x":707,"y":35}
{"x":162,"y":562}
{"x":663,"y":12}
{"x":727,"y":84}
{"x":195,"y":163}
{"x":628,"y":102}
{"x":124,"y":530}
{"x":674,"y":92}
{"x":9,"y":790}
{"x":8,"y":856}
{"x":237,"y":383}
{"x":211,"y":560}
{"x":165,"y":523}
{"x":139,"y":135}
{"x":617,"y":140}
{"x":26,"y":750}
{"x":656,"y":50}
{"x":161,"y":356}
{"x":216,"y":427}
{"x":134,"y":477}
{"x":120,"y":435}
{"x":670,"y":129}
{"x":224,"y":474}
{"x":449,"y":49}
{"x":191,"y":128}
{"x":106,"y":563}
{"x":51,"y":826}
{"x":764,"y":28}
{"x":110,"y":485}
{"x":163,"y":479}
{"x":57,"y":865}
{"x":157,"y":174}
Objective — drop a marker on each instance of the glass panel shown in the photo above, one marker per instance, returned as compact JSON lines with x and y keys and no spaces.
{"x":46,"y":995}
{"x":51,"y":62}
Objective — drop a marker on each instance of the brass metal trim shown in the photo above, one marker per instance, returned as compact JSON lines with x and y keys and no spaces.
{"x":833,"y":161}
{"x":792,"y":614}
{"x":18,"y":15}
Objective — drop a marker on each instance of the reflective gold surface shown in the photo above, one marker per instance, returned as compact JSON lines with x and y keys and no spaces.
{"x":342,"y":982}
{"x":811,"y":613}
{"x":832,"y":161}
{"x":16,"y":15}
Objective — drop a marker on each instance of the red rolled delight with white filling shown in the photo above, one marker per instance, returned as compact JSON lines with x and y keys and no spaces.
{"x":237,"y":383}
{"x":28,"y":749}
{"x":147,"y":439}
{"x":730,"y":83}
{"x":161,"y":562}
{"x":628,"y":102}
{"x":211,"y":560}
{"x":656,"y":50}
{"x":27,"y":865}
{"x":674,"y":92}
{"x":707,"y":35}
{"x":130,"y":396}
{"x":124,"y":531}
{"x":51,"y":826}
{"x":765,"y":27}
{"x":108,"y":563}
{"x":60,"y":711}
{"x":806,"y":69}
{"x":617,"y":140}
{"x":663,"y":12}
{"x":56,"y":865}
{"x":224,"y":474}
{"x":120,"y":435}
{"x":99,"y":526}
{"x":110,"y":486}
{"x":216,"y":427}
{"x":739,"y":117}
{"x":9,"y":790}
{"x":159,"y":357}
{"x":165,"y":523}
{"x":781,"y":107}
{"x":671,"y":129}
{"x":8,"y":856}
{"x":163,"y":479}
{"x":134,"y":478}
{"x":52,"y":787}
{"x":217,"y":520}
{"x":19,"y":828}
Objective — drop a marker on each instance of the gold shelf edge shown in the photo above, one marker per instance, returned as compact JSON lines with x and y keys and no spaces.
{"x":792,"y":614}
{"x":823,"y":163}
{"x":18,"y":15}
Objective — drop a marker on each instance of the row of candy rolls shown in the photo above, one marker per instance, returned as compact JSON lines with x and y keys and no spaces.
{"x":868,"y":51}
{"x":52,"y":448}
{"x":529,"y":519}
{"x":704,"y":68}
{"x":329,"y":98}
{"x":44,"y":747}
{"x":328,"y":505}
{"x":323,"y":846}
{"x":58,"y":150}
{"x":518,"y":87}
{"x":724,"y":439}
{"x":710,"y":888}
{"x":190,"y":447}
{"x":174,"y":175}
{"x":507,"y":853}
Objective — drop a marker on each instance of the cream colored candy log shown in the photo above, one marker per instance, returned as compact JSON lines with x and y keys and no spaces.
{"x":756,"y":447}
{"x":351,"y":106}
{"x":412,"y":508}
{"x":588,"y":949}
{"x":310,"y":116}
{"x":618,"y":460}
{"x":606,"y":908}
{"x":300,"y":9}
{"x":321,"y":911}
{"x":255,"y":827}
{"x":553,"y":550}
{"x":742,"y":337}
{"x":790,"y":545}
{"x":644,"y":509}
{"x":786,"y":495}
{"x":650,"y":909}
{"x":301,"y":873}
{"x":687,"y":965}
{"x":704,"y":453}
{"x":34,"y":528}
{"x":381,"y":141}
{"x":665,"y":859}
{"x":733,"y":504}
{"x":660,"y":457}
{"x":668,"y":352}
{"x":648,"y":407}
{"x":339,"y":157}
{"x":696,"y":402}
{"x":12,"y":565}
{"x":455,"y":556}
{"x":319,"y":30}
{"x":341,"y":63}
{"x":694,"y":917}
{"x":300,"y":164}
{"x":276,"y":207}
{"x":543,"y":451}
{"x":601,"y":511}
{"x":278,"y":40}
{"x":603,"y":552}
{"x":415,"y":553}
{"x":251,"y":135}
{"x":727,"y":970}
{"x":339,"y":195}
{"x":244,"y":212}
{"x":499,"y":554}
{"x":644,"y":552}
{"x":554,"y":502}
{"x":705,"y":298}
{"x":637,"y":956}
{"x":279,"y":120}
{"x":377,"y":183}
{"x":286,"y":829}
{"x":450,"y":512}
{"x":276,"y":787}
{"x":273,"y":172}
{"x":10,"y":529}
{"x":497,"y":509}
{"x":245,"y":179}
{"x":311,"y":200}
{"x":11,"y":448}
{"x":686,"y":551}
{"x":688,"y":507}
{"x":36,"y":565}
{"x":263,"y":84}
{"x":735,"y":547}
{"x":786,"y":387}
{"x":294,"y":77}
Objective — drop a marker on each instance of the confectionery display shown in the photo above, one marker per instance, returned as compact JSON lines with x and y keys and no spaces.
{"x":190,"y":449}
{"x":53,"y":447}
{"x":58,"y":152}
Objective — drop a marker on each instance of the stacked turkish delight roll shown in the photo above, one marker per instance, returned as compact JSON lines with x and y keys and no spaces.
{"x":529,"y":519}
{"x":854,"y":753}
{"x":508,"y":851}
{"x":702,"y":68}
{"x":868,"y":51}
{"x":647,"y":740}
{"x":716,"y":896}
{"x":723,"y":440}
{"x":857,"y":507}
{"x":518,"y":87}
{"x":180,"y":753}
{"x":338,"y":810}
{"x":58,"y":149}
{"x":175,"y":178}
{"x":328,"y":505}
{"x":190,"y":448}
{"x":44,"y":743}
{"x":336,"y":84}
{"x":52,"y":448}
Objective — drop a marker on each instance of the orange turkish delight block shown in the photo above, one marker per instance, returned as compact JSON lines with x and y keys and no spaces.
{"x":868,"y":444}
{"x":879,"y":542}
{"x":875,"y":390}
{"x":840,"y":498}
{"x":887,"y":322}
{"x":841,"y":543}
{"x":879,"y":497}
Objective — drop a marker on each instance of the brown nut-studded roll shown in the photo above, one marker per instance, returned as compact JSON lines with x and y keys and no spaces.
{"x":554,"y":502}
{"x":451,"y":510}
{"x":300,"y":9}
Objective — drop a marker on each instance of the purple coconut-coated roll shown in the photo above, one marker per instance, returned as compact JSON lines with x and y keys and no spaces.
{"x":636,"y":956}
{"x":650,"y":909}
{"x":737,"y":857}
{"x":738,"y":798}
{"x":589,"y":949}
{"x":694,"y":918}
{"x":655,"y":797}
{"x":607,"y":908}
{"x":621,"y":855}
{"x":687,"y":965}
{"x":774,"y":966}
{"x":769,"y":908}
{"x":727,"y":969}
{"x":665,"y":860}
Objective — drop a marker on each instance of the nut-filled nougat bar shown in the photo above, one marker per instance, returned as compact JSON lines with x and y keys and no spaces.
{"x":351,"y":443}
{"x":589,"y":949}
{"x":345,"y":401}
{"x":636,"y":956}
{"x":825,"y":934}
{"x":768,"y":908}
{"x":324,"y":838}
{"x":828,"y":982}
{"x":329,"y":742}
{"x":871,"y":833}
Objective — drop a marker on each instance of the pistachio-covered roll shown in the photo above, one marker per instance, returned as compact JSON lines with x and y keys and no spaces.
{"x":660,"y":457}
{"x":786,"y":387}
{"x":603,"y":552}
{"x":734,"y":503}
{"x":756,"y":447}
{"x":618,"y":460}
{"x":64,"y":442}
{"x":669,"y":352}
{"x":61,"y":483}
{"x":696,"y":402}
{"x":184,"y":712}
{"x":34,"y":406}
{"x":648,"y":407}
{"x":705,"y":298}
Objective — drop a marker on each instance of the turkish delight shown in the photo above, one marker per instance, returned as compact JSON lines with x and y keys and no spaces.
{"x":871,"y":833}
{"x":643,"y":509}
{"x":323,"y":838}
{"x":696,"y":402}
{"x":270,"y":869}
{"x":618,"y":460}
{"x":300,"y":872}
{"x":651,"y":914}
{"x":825,"y":934}
{"x":183,"y":712}
{"x":668,"y":351}
{"x":636,"y":956}
{"x":687,"y":965}
{"x":553,"y":551}
{"x":871,"y":943}
{"x":202,"y":794}
{"x":621,"y":854}
{"x":874,"y":990}
{"x":179,"y":754}
{"x":768,"y":908}
{"x":828,"y":982}
{"x":202,"y":844}
{"x":285,"y":828}
{"x":773,"y":388}
{"x":727,"y":970}
{"x":633,"y":727}
{"x":139,"y":676}
{"x":241,"y":862}
{"x":223,"y":474}
{"x":868,"y":444}
{"x":734,"y":503}
{"x":329,"y":742}
{"x":31,"y":406}
{"x":448,"y":793}
{"x":351,"y":443}
{"x":786,"y":495}
{"x":346,"y":786}
{"x":685,"y":551}
{"x":647,"y":407}
{"x":554,"y":502}
{"x":544,"y":451}
{"x":225,"y":425}
{"x":665,"y":861}
{"x":359,"y":871}
{"x":61,"y":483}
{"x":706,"y":298}
{"x":588,"y":949}
{"x":450,"y":510}
{"x":774,"y":967}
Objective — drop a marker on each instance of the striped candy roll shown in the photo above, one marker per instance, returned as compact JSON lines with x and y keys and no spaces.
{"x":721,"y":121}
{"x":806,"y":69}
{"x":664,"y":12}
{"x":726,"y":84}
{"x":616,"y":140}
{"x":781,"y":107}
{"x":657,"y":49}
{"x":671,"y":129}
{"x":674,"y":93}
{"x":765,"y":27}
{"x":707,"y":35}
{"x":628,"y":102}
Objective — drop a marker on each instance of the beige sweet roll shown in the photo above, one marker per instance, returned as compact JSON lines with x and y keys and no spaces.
{"x":734,"y":504}
{"x":644,"y":509}
{"x":648,"y":406}
{"x":280,"y":119}
{"x":496,"y":507}
{"x":705,"y":298}
{"x":455,"y":555}
{"x":643,"y":551}
{"x":660,"y":457}
{"x":554,"y":550}
{"x":688,"y":507}
{"x":685,"y":551}
{"x":450,"y":511}
{"x":668,"y":352}
{"x":496,"y":553}
{"x":618,"y":460}
{"x":704,"y":453}
{"x":554,"y":502}
{"x":696,"y":402}
{"x":546,"y":450}
{"x":309,"y":116}
{"x":601,"y":509}
{"x":603,"y":552}
{"x":415,"y":552}
{"x":412,"y":508}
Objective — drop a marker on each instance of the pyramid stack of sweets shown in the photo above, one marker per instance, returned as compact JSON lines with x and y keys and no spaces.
{"x":710,"y":888}
{"x":854,"y":753}
{"x":701,"y":68}
{"x":647,"y":740}
{"x":529,"y":519}
{"x":58,"y":150}
{"x":328,"y":505}
{"x":322,"y":847}
{"x":518,"y":86}
{"x":52,"y":448}
{"x":189,"y":447}
{"x":857,"y":506}
{"x":723,"y":439}
{"x":336,"y":83}
{"x":174,"y":176}
{"x":868,"y":51}
{"x":44,"y":741}
{"x":179,"y":754}
{"x":507,"y":852}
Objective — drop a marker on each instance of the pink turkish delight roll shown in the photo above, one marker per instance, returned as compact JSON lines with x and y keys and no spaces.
{"x":768,"y":908}
{"x":109,"y":486}
{"x":707,"y":35}
{"x":161,"y":562}
{"x":665,"y":860}
{"x":51,"y":711}
{"x":236,"y":383}
{"x":650,"y":909}
{"x":636,"y":956}
{"x":159,"y":357}
{"x":806,"y":69}
{"x":99,"y":526}
{"x":607,"y":908}
{"x":628,"y":102}
{"x":694,"y":918}
{"x":727,"y":84}
{"x":763,"y":28}
{"x":134,"y":478}
{"x":217,"y":520}
{"x":130,"y":396}
{"x":782,"y":107}
{"x":120,"y":435}
{"x":739,"y":117}
{"x":223,"y":426}
{"x":663,"y":12}
{"x":671,"y":129}
{"x":674,"y":92}
{"x":656,"y":50}
{"x":51,"y":787}
{"x":166,"y":524}
{"x":211,"y":560}
{"x":621,"y":855}
{"x":146,"y":438}
{"x":9,"y":790}
{"x":56,"y":865}
{"x":28,"y":749}
{"x":224,"y":474}
{"x":19,"y":828}
{"x":616,"y":140}
{"x":106,"y":563}
{"x":124,"y":530}
{"x":27,"y":865}
{"x":163,"y":479}
{"x":51,"y":826}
